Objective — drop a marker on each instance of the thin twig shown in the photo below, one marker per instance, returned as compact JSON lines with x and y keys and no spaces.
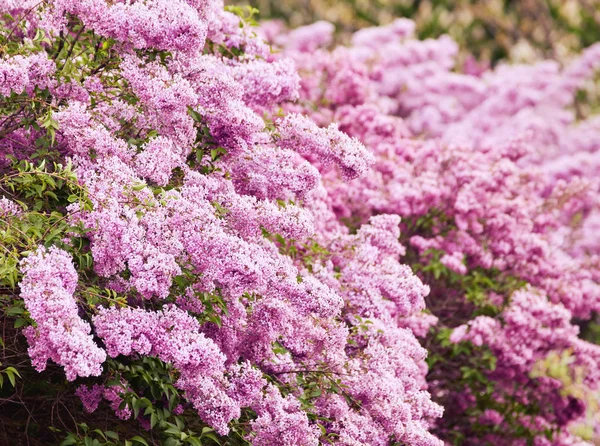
{"x":23,"y":17}
{"x":72,"y":47}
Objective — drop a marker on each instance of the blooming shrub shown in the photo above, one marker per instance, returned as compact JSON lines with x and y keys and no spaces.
{"x":211,"y":242}
{"x":494,"y":177}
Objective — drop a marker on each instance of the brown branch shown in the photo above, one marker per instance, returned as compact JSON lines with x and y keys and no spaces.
{"x":23,"y":17}
{"x":61,"y":45}
{"x":10,"y":117}
{"x":72,"y":47}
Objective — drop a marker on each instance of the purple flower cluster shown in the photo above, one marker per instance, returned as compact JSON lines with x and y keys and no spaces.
{"x":48,"y":288}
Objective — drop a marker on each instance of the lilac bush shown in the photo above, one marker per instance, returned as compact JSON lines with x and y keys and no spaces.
{"x":217,"y":233}
{"x":494,"y":177}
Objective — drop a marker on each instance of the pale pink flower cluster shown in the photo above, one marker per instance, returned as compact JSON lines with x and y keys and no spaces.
{"x":48,"y":287}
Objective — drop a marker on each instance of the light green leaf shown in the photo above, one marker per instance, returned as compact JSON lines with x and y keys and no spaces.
{"x":140,"y":440}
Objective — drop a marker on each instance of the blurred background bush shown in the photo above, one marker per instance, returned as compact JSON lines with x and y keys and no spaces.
{"x":491,"y":30}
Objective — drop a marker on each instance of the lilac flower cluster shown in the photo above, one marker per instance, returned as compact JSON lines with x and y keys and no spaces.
{"x":48,"y":286}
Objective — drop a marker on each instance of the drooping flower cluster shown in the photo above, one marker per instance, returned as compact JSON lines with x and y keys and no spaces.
{"x":47,"y":288}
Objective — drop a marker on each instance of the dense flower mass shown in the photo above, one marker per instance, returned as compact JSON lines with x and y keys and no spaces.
{"x":60,"y":334}
{"x":487,"y":172}
{"x":234,"y":235}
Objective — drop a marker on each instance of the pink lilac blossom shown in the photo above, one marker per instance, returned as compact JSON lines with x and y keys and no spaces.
{"x":173,"y":336}
{"x":91,"y":397}
{"x":382,"y":35}
{"x":328,"y":145}
{"x":280,"y":421}
{"x":266,"y":84}
{"x":24,"y":73}
{"x":48,"y":285}
{"x":9,"y":208}
{"x":162,"y":149}
{"x":165,"y":25}
{"x":531,"y":331}
{"x":307,"y":38}
{"x":112,"y":394}
{"x":273,"y":173}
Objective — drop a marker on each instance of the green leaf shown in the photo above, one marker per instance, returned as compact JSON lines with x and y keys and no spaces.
{"x":20,"y":322}
{"x":99,"y":432}
{"x":11,"y":377}
{"x":212,"y":436}
{"x":111,"y":434}
{"x":140,"y":440}
{"x":195,"y":441}
{"x":39,"y":35}
{"x":69,"y":441}
{"x":173,"y":430}
{"x":195,"y":115}
{"x":15,"y":311}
